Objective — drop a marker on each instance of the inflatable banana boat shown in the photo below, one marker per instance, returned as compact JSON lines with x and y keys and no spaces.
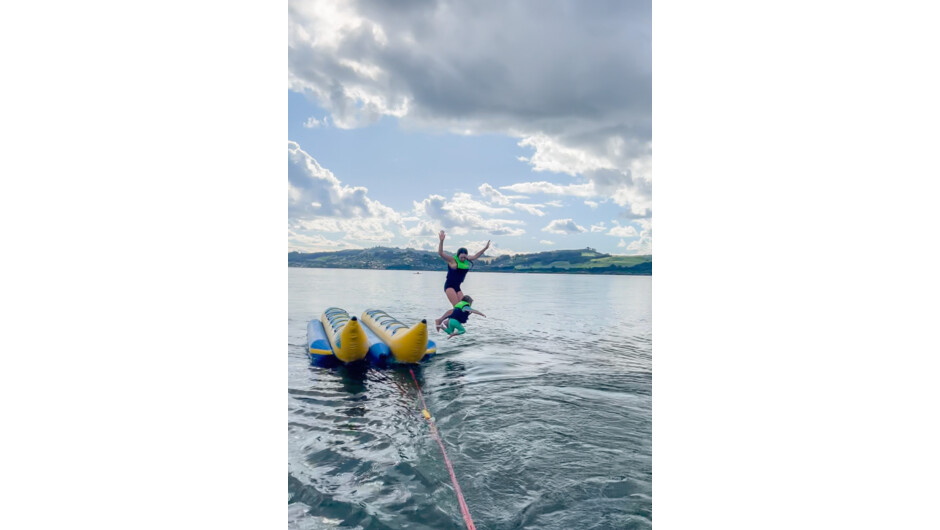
{"x":337,"y":336}
{"x":406,"y":345}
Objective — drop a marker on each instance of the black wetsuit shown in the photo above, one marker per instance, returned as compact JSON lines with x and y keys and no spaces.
{"x":455,"y":278}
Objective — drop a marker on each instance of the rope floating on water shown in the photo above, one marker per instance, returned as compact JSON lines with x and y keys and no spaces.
{"x":450,"y":469}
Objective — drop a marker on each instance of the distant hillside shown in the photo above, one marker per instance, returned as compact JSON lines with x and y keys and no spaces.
{"x":583,"y":261}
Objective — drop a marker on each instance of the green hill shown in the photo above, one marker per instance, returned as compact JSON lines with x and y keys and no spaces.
{"x":582,"y":261}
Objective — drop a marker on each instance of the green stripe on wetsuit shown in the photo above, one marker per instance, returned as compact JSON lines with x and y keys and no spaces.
{"x":454,"y":325}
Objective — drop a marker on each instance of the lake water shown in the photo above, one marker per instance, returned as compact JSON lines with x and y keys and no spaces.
{"x":544,"y":407}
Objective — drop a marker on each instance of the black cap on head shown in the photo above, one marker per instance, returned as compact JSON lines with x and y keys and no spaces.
{"x":462,"y":250}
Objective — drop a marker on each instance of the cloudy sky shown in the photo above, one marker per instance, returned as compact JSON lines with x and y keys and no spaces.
{"x":523,"y":122}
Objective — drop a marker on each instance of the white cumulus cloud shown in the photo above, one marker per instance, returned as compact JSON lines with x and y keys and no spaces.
{"x":494,"y":196}
{"x":477,"y":245}
{"x":423,"y":228}
{"x":575,"y":190}
{"x":422,"y":244}
{"x":313,"y":123}
{"x":571,"y":81}
{"x":551,"y":155}
{"x":563,"y":226}
{"x":462,"y":213}
{"x":313,"y":191}
{"x":643,"y":245}
{"x":300,"y":242}
{"x":319,"y":203}
{"x":532,"y":209}
{"x":622,"y":231}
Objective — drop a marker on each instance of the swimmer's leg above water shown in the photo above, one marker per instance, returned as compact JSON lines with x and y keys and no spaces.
{"x":444,"y":317}
{"x":454,"y":328}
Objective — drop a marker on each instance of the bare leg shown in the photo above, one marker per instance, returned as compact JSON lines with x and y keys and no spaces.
{"x":453,"y":296}
{"x":443,"y":317}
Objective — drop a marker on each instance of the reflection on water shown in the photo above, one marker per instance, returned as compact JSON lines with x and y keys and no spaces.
{"x":544,"y":407}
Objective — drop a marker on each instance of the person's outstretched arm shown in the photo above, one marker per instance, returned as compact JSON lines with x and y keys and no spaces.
{"x":440,"y":250}
{"x":478,"y":313}
{"x":478,"y":254}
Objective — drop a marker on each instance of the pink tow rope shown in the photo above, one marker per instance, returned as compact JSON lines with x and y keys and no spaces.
{"x":450,"y":468}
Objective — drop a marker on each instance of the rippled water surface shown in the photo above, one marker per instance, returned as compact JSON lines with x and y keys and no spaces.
{"x":544,"y":407}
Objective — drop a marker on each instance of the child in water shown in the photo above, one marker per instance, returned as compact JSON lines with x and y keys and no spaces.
{"x":456,"y":317}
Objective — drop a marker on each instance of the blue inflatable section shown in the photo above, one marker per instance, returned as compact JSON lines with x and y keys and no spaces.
{"x":318,"y":346}
{"x":378,"y":350}
{"x":321,"y":353}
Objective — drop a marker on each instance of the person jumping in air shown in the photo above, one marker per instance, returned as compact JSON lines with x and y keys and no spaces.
{"x":458,"y":266}
{"x":456,"y":317}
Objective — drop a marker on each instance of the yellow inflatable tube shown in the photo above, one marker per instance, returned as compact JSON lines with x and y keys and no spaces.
{"x":345,"y":333}
{"x":408,"y":345}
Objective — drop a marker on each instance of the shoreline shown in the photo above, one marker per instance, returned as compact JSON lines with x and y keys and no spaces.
{"x":552,"y":270}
